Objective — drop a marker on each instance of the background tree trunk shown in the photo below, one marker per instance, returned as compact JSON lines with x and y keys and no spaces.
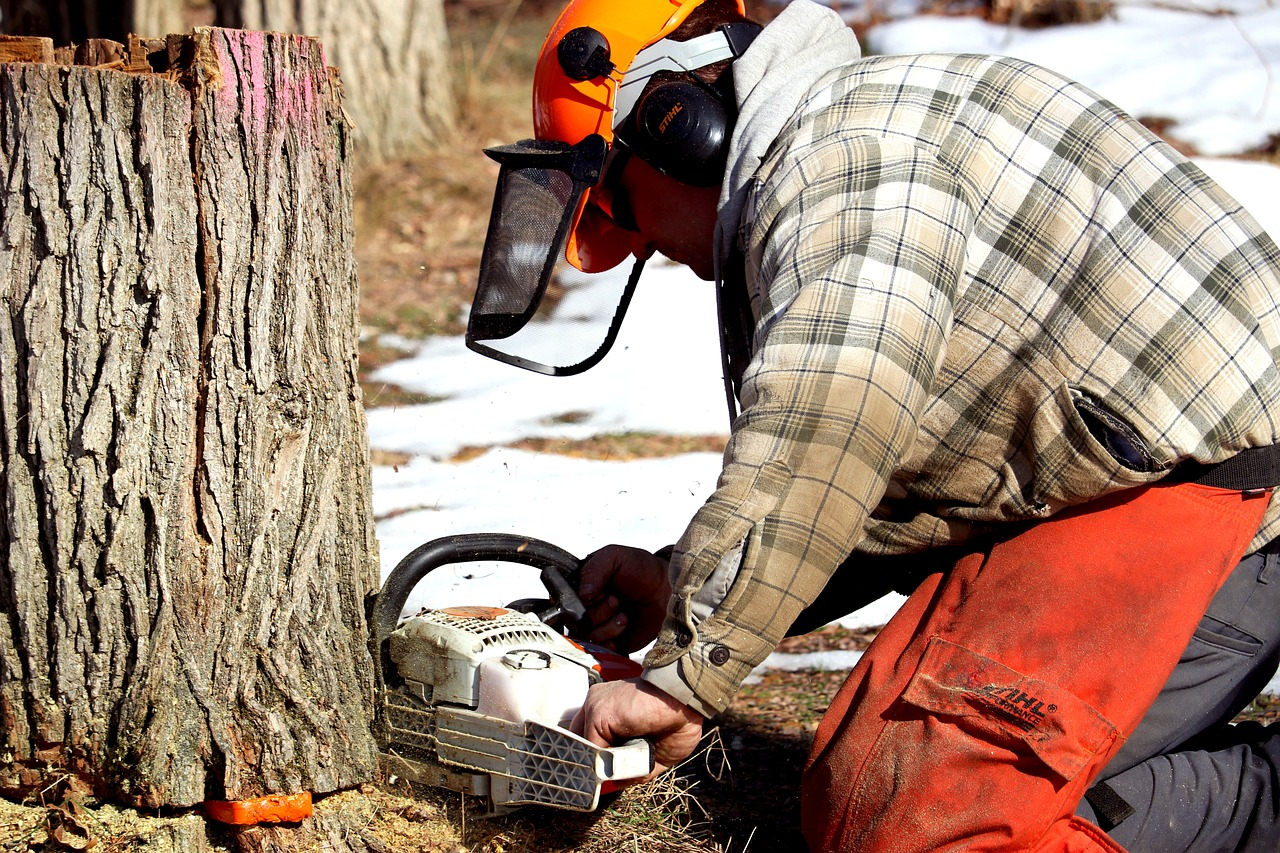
{"x":393,"y":54}
{"x":69,"y":21}
{"x":186,"y":535}
{"x":394,"y":59}
{"x":157,"y":17}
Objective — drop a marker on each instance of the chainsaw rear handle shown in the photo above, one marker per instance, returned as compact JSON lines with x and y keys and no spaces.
{"x":558,"y":567}
{"x":630,"y":760}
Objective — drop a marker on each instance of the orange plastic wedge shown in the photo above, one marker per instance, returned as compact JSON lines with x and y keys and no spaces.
{"x":273,"y":808}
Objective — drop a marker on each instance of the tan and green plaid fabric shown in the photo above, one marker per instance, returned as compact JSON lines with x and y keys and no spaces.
{"x":945,"y":255}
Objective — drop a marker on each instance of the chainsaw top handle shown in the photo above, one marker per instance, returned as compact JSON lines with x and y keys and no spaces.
{"x":559,"y":571}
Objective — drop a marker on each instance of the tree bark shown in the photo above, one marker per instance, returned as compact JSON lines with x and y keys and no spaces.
{"x":394,"y":59}
{"x":186,"y":535}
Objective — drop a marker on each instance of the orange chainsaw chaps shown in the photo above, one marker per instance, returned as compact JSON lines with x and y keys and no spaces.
{"x":988,"y":704}
{"x":273,"y":808}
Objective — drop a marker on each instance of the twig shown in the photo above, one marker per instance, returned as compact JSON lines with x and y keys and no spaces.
{"x":714,"y":749}
{"x":1266,"y":94}
{"x":57,"y":780}
{"x":496,"y":37}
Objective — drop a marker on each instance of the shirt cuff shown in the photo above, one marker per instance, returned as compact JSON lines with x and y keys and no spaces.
{"x":704,"y":667}
{"x":668,"y":680}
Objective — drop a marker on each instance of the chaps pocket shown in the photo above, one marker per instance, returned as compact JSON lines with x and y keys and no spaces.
{"x":1015,"y":711}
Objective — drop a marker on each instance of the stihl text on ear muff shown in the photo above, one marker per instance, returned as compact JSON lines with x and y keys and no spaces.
{"x":681,"y":129}
{"x":681,"y":125}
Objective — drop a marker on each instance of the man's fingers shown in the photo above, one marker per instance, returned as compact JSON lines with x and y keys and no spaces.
{"x":639,"y":575}
{"x":583,"y":725}
{"x":636,"y":573}
{"x":604,"y":633}
{"x":604,"y":622}
{"x":601,"y":613}
{"x":597,"y":573}
{"x":576,"y":725}
{"x":626,"y":591}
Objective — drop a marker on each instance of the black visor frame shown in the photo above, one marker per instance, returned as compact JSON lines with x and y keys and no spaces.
{"x":577,"y":366}
{"x":582,"y":163}
{"x":541,"y":182}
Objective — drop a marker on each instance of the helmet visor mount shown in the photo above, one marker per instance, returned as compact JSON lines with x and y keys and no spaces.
{"x":531,"y":309}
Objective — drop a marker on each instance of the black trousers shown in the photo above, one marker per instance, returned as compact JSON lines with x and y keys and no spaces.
{"x":1194,"y":782}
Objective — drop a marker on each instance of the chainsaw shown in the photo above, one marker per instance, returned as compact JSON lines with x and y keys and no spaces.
{"x":479,"y":699}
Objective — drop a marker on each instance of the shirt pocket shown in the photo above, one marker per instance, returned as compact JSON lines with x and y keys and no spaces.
{"x":992,"y":703}
{"x":1120,"y":440}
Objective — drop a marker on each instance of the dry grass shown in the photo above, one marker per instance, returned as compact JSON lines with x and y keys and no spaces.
{"x":612,"y":447}
{"x":662,"y":816}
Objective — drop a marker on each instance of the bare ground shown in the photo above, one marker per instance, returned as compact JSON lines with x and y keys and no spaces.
{"x":739,"y":793}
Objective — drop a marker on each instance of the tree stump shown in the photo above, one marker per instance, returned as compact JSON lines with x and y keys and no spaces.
{"x":186,"y":533}
{"x":394,"y":58}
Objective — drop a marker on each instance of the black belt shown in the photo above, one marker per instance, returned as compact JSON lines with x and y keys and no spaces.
{"x":1252,"y":469}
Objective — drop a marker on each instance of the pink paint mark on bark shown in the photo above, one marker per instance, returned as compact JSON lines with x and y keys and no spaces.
{"x":273,"y":85}
{"x":253,"y":47}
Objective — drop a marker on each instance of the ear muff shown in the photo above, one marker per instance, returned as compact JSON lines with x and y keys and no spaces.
{"x":681,"y":128}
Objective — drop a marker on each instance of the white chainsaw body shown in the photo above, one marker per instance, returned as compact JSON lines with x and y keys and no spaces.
{"x":484,"y":704}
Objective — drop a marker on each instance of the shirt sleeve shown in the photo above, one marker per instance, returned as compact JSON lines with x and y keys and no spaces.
{"x":857,"y":274}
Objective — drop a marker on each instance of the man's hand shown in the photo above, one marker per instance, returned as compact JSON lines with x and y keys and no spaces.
{"x":616,"y":711}
{"x":626,"y":591}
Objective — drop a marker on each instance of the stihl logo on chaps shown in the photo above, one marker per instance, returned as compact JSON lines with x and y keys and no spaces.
{"x":1025,"y":710}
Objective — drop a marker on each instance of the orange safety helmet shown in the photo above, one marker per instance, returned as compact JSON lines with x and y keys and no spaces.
{"x":555,"y":195}
{"x":568,"y":110}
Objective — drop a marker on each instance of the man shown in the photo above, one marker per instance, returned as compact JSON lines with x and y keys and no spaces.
{"x":993,"y":342}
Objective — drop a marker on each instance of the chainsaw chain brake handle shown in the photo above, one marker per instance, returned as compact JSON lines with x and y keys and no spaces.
{"x":559,"y":570}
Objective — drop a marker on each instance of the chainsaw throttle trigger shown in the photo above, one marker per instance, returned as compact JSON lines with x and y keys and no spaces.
{"x":628,"y":761}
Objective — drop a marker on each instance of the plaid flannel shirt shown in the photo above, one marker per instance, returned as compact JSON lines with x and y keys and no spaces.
{"x":965,"y":271}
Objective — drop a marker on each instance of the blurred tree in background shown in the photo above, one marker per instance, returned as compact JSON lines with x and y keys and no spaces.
{"x":393,"y":55}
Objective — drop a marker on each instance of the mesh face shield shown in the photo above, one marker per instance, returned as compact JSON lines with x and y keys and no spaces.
{"x":531,"y":308}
